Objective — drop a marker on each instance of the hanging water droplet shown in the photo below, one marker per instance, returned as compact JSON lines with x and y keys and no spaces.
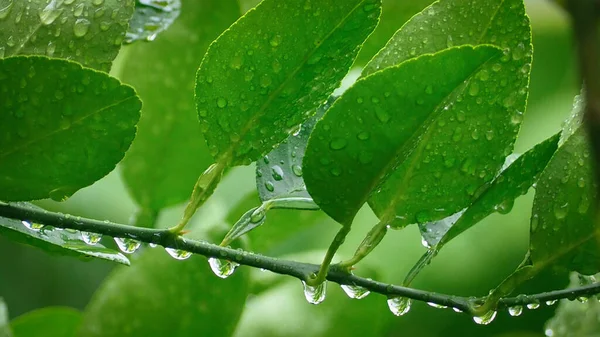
{"x":533,"y":305}
{"x":81,"y":27}
{"x":315,"y":295}
{"x":437,"y":306}
{"x":178,"y":253}
{"x":91,"y":238}
{"x":277,"y":172}
{"x":485,"y":319}
{"x":457,"y":310}
{"x":399,"y":305}
{"x":515,"y":311}
{"x":222,"y":268}
{"x":355,"y":292}
{"x":582,"y":299}
{"x":36,"y":227}
{"x":551,"y":302}
{"x":52,"y":11}
{"x":152,"y":245}
{"x":128,"y":246}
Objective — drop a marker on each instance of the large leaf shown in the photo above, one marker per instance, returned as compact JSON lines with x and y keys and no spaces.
{"x":564,"y":228}
{"x":150,"y":18}
{"x":169,"y":153}
{"x":159,"y":296}
{"x":51,"y":321}
{"x":64,"y":242}
{"x":499,"y":196}
{"x":87,"y":31}
{"x":4,"y":326}
{"x":378,"y":122}
{"x":265,"y":75}
{"x":63,"y":127}
{"x":469,"y":142}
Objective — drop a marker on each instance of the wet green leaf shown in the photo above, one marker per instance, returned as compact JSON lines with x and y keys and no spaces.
{"x":87,"y":31}
{"x":499,"y":196}
{"x":54,"y":321}
{"x":63,"y":127}
{"x":4,"y":326}
{"x":169,"y":153}
{"x":64,"y":242}
{"x":150,"y":18}
{"x":268,"y":72}
{"x":564,"y":230}
{"x":381,"y":122}
{"x":159,"y":296}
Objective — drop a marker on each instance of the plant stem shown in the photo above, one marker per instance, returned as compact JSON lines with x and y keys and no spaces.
{"x":333,"y":247}
{"x":205,"y":186}
{"x":369,"y":243}
{"x":299,"y":270}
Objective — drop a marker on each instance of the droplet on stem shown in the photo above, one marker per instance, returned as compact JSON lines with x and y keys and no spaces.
{"x":91,"y":238}
{"x":486,"y":318}
{"x":178,"y":254}
{"x":315,"y":295}
{"x":515,"y":311}
{"x":399,"y":305}
{"x":222,"y":268}
{"x":355,"y":292}
{"x":128,"y":246}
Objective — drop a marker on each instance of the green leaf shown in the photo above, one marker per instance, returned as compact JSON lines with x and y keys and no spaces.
{"x":381,"y":122}
{"x":265,"y":75}
{"x":150,"y":18}
{"x":449,"y":23}
{"x":498,"y":196}
{"x":564,"y":231}
{"x":168,"y":153}
{"x":87,"y":31}
{"x":63,"y":127}
{"x":54,"y":321}
{"x":160,"y":296}
{"x":4,"y":326}
{"x":64,"y":242}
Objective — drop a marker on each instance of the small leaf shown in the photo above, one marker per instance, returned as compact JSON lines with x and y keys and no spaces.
{"x":4,"y":326}
{"x":499,"y":195}
{"x":63,"y":127}
{"x":87,"y":31}
{"x":264,"y":75}
{"x":65,"y":242}
{"x":151,"y":17}
{"x":54,"y":321}
{"x":377,"y":124}
{"x":564,"y":230}
{"x":160,"y":296}
{"x":168,"y":153}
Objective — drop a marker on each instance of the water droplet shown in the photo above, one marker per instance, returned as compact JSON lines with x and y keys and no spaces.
{"x":516,"y":310}
{"x":549,"y":332}
{"x":437,"y":306}
{"x":257,"y":216}
{"x":338,"y":144}
{"x":277,"y":172}
{"x":551,"y":302}
{"x":221,"y":102}
{"x":533,"y":305}
{"x":269,"y":186}
{"x":36,"y":227}
{"x":5,"y":7}
{"x":474,"y":89}
{"x":399,"y":305}
{"x":78,"y":10}
{"x":128,"y":246}
{"x":52,"y":11}
{"x":582,"y":299}
{"x":297,"y":169}
{"x":97,"y":2}
{"x":382,"y":115}
{"x":50,"y":48}
{"x":315,"y":295}
{"x":81,"y":27}
{"x":152,"y":245}
{"x":222,"y":268}
{"x":91,"y":238}
{"x":355,"y":292}
{"x":178,"y":253}
{"x":363,"y":135}
{"x":486,"y":318}
{"x":275,"y":41}
{"x":561,"y":210}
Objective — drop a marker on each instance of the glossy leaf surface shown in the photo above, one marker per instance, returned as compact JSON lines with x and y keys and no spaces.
{"x":54,"y":321}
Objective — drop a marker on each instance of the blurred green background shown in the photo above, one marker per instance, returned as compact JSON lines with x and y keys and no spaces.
{"x":469,"y":266}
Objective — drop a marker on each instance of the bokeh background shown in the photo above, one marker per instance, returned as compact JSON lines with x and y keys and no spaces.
{"x":470,"y":266}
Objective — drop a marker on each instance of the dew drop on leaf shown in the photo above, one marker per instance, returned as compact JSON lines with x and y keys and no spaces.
{"x":128,"y":246}
{"x":81,"y":27}
{"x":399,"y":305}
{"x":91,"y":238}
{"x":355,"y":292}
{"x":5,"y":7}
{"x":222,"y":268}
{"x":515,"y":311}
{"x":297,"y":169}
{"x":277,"y":172}
{"x":338,"y":144}
{"x":315,"y":295}
{"x":221,"y":102}
{"x":561,"y":210}
{"x":178,"y":254}
{"x":486,"y":318}
{"x":269,"y":186}
{"x":32,"y":226}
{"x":51,"y":12}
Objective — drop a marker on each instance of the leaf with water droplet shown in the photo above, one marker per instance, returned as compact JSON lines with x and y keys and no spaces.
{"x":274,"y":100}
{"x":340,"y":185}
{"x":82,"y":31}
{"x":67,"y":243}
{"x":152,"y":17}
{"x":168,"y":131}
{"x":74,"y":140}
{"x":58,"y":321}
{"x":564,"y":210}
{"x":158,"y":296}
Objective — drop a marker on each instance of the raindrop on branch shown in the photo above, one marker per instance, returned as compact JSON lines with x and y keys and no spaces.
{"x":178,"y":254}
{"x":222,"y":268}
{"x":515,"y":311}
{"x":315,"y":295}
{"x":399,"y":305}
{"x":91,"y":238}
{"x":355,"y":292}
{"x":485,"y":319}
{"x":128,"y":246}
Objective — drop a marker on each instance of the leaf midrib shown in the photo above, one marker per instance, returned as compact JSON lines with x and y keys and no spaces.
{"x":58,"y":130}
{"x":227,"y":156}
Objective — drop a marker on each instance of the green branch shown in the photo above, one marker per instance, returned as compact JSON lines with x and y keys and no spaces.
{"x":302,"y":271}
